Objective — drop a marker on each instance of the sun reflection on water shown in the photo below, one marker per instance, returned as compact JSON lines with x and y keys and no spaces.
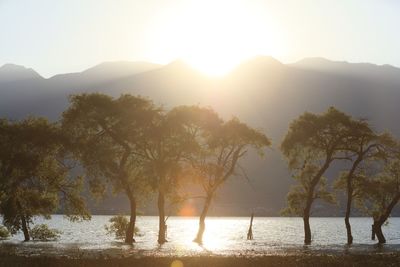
{"x":211,"y":241}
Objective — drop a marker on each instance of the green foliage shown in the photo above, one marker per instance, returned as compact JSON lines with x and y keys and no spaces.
{"x":34,"y":175}
{"x":357,"y":181}
{"x":298,"y":194}
{"x":118,"y":227}
{"x":380,"y":193}
{"x":312,"y":143}
{"x":366,"y":150}
{"x":220,"y":149}
{"x":97,"y":124}
{"x":42,"y":232}
{"x":313,"y":137}
{"x":4,"y":233}
{"x":295,"y":201}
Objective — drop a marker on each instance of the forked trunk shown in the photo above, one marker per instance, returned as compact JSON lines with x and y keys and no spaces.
{"x":202,"y":220}
{"x":25,"y":230}
{"x":161,"y":214}
{"x":132,"y":221}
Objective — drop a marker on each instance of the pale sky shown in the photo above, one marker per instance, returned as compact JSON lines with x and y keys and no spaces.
{"x":59,"y":36}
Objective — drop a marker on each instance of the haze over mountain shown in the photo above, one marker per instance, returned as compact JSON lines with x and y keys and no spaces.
{"x":12,"y":72}
{"x":261,"y":91}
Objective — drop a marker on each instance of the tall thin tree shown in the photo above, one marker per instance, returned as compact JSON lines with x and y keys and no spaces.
{"x":217,"y":160}
{"x":364,"y":146}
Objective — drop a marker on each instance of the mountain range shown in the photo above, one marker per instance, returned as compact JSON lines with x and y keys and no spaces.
{"x":260,"y":91}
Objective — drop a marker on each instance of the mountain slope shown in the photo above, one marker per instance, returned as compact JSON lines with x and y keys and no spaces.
{"x":11,"y":73}
{"x":262,"y":91}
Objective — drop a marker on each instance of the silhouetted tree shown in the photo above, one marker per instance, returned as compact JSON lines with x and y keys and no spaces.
{"x":164,"y":146}
{"x":381,"y":193}
{"x":312,"y":143}
{"x":221,"y":149}
{"x":34,"y":175}
{"x":364,"y":146}
{"x":104,"y":136}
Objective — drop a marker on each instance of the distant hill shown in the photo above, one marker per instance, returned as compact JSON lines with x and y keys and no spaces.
{"x":261,"y":91}
{"x":11,"y":72}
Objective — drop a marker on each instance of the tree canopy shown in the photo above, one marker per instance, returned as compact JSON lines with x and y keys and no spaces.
{"x":34,"y":174}
{"x":105,"y":136}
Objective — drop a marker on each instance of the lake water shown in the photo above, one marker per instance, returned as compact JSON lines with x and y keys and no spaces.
{"x":223,"y":235}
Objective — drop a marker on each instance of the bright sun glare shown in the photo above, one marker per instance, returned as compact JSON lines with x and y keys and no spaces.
{"x":215,"y":36}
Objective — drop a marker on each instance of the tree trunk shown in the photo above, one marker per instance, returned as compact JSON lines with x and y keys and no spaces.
{"x":250,"y":231}
{"x":377,"y":226}
{"x":347,"y":216}
{"x":307,"y":230}
{"x":202,"y":220}
{"x":372,"y":233}
{"x":348,"y":229}
{"x":350,"y":197}
{"x":306,"y":216}
{"x":25,"y":230}
{"x":310,"y":199}
{"x":132,"y":221}
{"x":161,"y":213}
{"x":378,"y":232}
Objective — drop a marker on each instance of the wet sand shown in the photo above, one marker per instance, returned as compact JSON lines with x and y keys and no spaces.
{"x":42,"y":254}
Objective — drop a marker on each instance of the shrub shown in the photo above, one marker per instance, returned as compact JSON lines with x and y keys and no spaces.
{"x":118,"y":226}
{"x":4,"y":233}
{"x":43,"y":233}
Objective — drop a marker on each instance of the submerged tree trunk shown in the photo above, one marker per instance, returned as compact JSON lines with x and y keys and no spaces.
{"x":347,"y":216}
{"x":25,"y":230}
{"x":348,"y":229}
{"x":250,"y":231}
{"x":377,"y":226}
{"x":132,"y":221}
{"x":306,"y":216}
{"x":310,"y":200}
{"x":350,"y":198}
{"x":202,"y":220}
{"x":378,"y":232}
{"x":161,"y":214}
{"x":307,"y":230}
{"x":372,"y":233}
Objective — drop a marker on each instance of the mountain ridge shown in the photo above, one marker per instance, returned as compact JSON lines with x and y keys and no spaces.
{"x":12,"y":72}
{"x":264,"y":93}
{"x":256,"y":59}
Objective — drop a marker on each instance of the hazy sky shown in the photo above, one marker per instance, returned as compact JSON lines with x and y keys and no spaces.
{"x":57,"y":36}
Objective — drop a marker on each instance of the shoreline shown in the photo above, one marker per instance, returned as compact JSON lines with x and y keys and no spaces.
{"x":42,"y":254}
{"x":391,"y":259}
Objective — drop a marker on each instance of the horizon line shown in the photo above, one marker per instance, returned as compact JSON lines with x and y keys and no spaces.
{"x":185,"y":61}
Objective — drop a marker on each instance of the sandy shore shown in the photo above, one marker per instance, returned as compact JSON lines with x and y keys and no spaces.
{"x":48,"y":255}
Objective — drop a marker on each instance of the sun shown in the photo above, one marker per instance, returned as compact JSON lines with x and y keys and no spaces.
{"x":215,"y":36}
